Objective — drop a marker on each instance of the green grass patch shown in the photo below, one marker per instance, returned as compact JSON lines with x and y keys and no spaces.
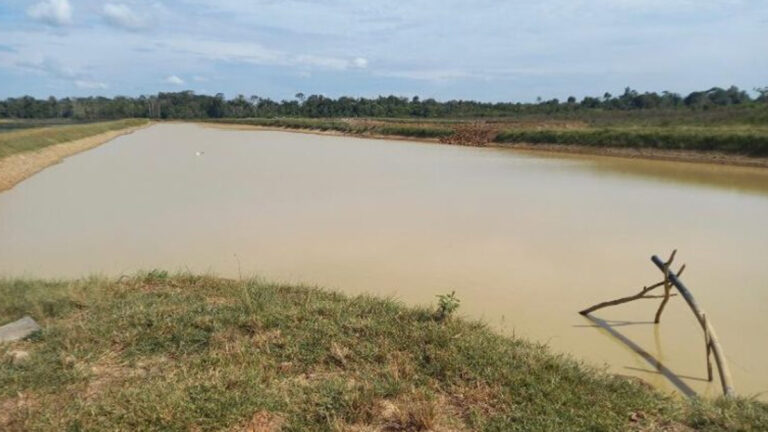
{"x":30,"y":139}
{"x":413,"y":131}
{"x":181,"y":353}
{"x":8,"y":125}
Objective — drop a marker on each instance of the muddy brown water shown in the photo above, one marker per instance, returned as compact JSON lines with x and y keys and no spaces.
{"x":525,"y":239}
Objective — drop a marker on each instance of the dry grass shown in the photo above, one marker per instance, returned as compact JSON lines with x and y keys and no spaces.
{"x":471,"y":134}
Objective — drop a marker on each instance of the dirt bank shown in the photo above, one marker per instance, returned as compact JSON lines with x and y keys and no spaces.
{"x":646,"y":153}
{"x":19,"y":166}
{"x":632,"y":153}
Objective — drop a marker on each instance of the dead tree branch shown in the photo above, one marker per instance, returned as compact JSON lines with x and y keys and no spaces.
{"x":671,"y":280}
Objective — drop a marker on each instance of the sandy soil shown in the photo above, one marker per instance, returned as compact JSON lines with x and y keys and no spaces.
{"x":17,"y":167}
{"x":632,"y":153}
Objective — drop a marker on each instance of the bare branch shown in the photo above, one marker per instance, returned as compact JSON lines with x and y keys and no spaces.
{"x":639,"y":295}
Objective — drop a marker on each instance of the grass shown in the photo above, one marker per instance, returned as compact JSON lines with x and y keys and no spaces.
{"x":173,"y":353}
{"x":734,"y":115}
{"x":7,"y":125}
{"x":734,"y":138}
{"x":29,"y":139}
{"x":751,"y":141}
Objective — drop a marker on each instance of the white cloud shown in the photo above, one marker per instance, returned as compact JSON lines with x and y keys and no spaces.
{"x":360,"y":62}
{"x":325,"y":62}
{"x":436,"y":75}
{"x":49,"y":66}
{"x":320,"y":61}
{"x":244,"y":52}
{"x":175,"y":80}
{"x":254,"y":53}
{"x":90,"y":84}
{"x":120,"y":15}
{"x":53,"y":12}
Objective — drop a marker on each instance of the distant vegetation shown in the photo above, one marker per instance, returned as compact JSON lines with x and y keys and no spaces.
{"x":189,"y":353}
{"x":731,"y":103}
{"x":723,"y":120}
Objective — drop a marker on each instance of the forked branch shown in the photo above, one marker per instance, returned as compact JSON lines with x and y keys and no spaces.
{"x":642,"y":294}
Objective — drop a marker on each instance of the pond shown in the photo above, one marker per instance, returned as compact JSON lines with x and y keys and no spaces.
{"x":525,"y":239}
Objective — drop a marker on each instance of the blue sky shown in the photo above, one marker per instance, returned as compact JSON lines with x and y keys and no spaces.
{"x":447,"y":49}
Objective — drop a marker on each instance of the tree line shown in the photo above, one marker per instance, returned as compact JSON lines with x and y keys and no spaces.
{"x":188,"y":105}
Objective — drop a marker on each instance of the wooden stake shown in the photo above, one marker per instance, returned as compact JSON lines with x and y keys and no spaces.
{"x":708,"y":344}
{"x":667,"y":288}
{"x":714,"y":343}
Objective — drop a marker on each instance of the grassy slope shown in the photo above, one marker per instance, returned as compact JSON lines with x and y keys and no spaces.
{"x":728,"y":137}
{"x":11,"y":124}
{"x":198,"y":353}
{"x":24,"y":140}
{"x":751,"y":141}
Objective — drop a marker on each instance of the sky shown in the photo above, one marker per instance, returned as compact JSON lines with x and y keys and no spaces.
{"x":490,"y":50}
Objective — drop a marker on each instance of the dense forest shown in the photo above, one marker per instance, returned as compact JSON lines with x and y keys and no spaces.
{"x":188,"y":105}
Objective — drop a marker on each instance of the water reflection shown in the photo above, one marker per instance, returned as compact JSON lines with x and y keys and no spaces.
{"x":655,"y":362}
{"x":743,"y":179}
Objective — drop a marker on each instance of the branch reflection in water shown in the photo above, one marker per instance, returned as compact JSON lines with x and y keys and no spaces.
{"x":656,"y":363}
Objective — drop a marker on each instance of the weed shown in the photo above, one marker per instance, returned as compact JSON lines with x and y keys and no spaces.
{"x":155,"y":275}
{"x":447,"y":304}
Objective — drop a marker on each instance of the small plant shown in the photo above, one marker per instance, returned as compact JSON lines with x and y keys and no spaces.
{"x":155,"y":275}
{"x":446,"y":306}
